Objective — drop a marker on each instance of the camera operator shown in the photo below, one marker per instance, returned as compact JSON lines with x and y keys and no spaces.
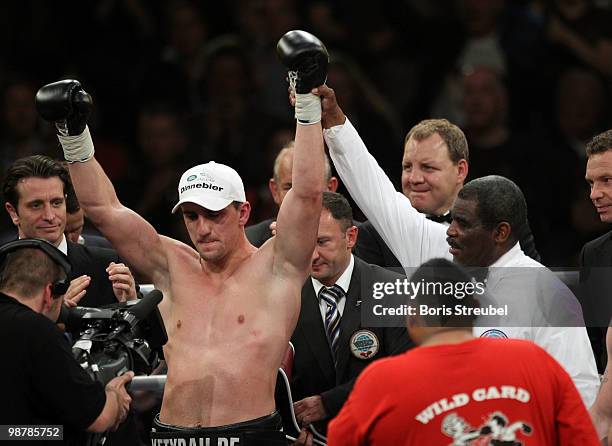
{"x":43,"y":383}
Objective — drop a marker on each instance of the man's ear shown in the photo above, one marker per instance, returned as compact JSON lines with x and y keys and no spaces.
{"x":12,"y":212}
{"x":462,"y":170}
{"x":47,"y":298}
{"x":351,"y":236}
{"x":245,"y":212}
{"x":332,"y":184}
{"x":275,"y":191}
{"x":415,"y":328}
{"x":502,"y":232}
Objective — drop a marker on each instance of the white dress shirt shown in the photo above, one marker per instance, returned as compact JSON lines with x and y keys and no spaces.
{"x":343,"y":282}
{"x":63,"y":246}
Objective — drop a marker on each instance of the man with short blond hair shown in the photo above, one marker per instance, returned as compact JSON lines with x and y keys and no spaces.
{"x":435,"y":166}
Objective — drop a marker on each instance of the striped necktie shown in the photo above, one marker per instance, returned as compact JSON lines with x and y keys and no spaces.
{"x":331,"y":296}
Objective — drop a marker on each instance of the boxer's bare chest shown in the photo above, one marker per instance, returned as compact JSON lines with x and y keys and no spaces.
{"x":207,"y":311}
{"x":226,"y":336}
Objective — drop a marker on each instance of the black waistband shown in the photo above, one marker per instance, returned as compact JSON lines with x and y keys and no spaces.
{"x":263,"y":431}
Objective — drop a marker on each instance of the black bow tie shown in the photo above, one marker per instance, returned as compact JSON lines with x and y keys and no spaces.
{"x":446,"y":218}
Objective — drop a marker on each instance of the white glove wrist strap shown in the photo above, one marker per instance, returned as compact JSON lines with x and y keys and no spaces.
{"x":307,"y":108}
{"x":77,"y":148}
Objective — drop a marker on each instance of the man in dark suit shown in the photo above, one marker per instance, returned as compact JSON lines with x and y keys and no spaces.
{"x":35,"y":191}
{"x":279,"y":185}
{"x":596,"y":255}
{"x":332,"y":346}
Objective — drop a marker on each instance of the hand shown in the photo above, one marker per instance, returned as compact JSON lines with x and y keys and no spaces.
{"x":116,"y":386}
{"x":602,"y":424}
{"x":305,"y":439}
{"x":76,"y":291}
{"x":273,"y":228}
{"x":331,"y":113}
{"x":123,"y":282}
{"x":309,"y":410}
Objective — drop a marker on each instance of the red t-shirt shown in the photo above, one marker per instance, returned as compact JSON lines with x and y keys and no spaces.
{"x":483,"y":392}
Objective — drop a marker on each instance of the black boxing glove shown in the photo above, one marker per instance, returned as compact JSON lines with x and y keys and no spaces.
{"x":304,"y":54}
{"x":68,"y":106}
{"x":307,"y":59}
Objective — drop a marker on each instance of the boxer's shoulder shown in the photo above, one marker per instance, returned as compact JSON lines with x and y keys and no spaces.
{"x":177,"y":251}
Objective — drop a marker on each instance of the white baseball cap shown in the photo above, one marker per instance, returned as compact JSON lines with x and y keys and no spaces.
{"x":213,"y":186}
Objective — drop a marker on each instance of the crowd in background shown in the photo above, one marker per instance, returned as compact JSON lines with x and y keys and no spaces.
{"x":178,"y":83}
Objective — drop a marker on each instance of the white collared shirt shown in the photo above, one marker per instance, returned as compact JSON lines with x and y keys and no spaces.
{"x":414,"y":241}
{"x":63,"y":246}
{"x":343,"y":282}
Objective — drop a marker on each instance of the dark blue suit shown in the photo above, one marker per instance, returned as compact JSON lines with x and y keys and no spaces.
{"x":313,"y":368}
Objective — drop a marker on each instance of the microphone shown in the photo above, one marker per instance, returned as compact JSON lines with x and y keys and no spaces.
{"x":138,"y":312}
{"x":147,"y":305}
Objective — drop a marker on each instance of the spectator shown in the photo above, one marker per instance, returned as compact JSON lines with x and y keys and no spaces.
{"x":595,"y":255}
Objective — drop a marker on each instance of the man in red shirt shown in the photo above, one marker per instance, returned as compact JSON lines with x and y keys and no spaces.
{"x":457,"y":390}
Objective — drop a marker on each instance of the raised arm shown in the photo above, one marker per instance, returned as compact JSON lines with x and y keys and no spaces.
{"x":298,"y":218}
{"x":412,"y":238}
{"x":601,"y":411}
{"x":67,"y":105}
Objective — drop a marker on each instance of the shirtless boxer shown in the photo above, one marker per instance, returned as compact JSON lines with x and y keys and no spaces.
{"x":229,"y":308}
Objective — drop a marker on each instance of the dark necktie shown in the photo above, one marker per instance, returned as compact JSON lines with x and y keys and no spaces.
{"x":446,"y":218}
{"x":331,"y":296}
